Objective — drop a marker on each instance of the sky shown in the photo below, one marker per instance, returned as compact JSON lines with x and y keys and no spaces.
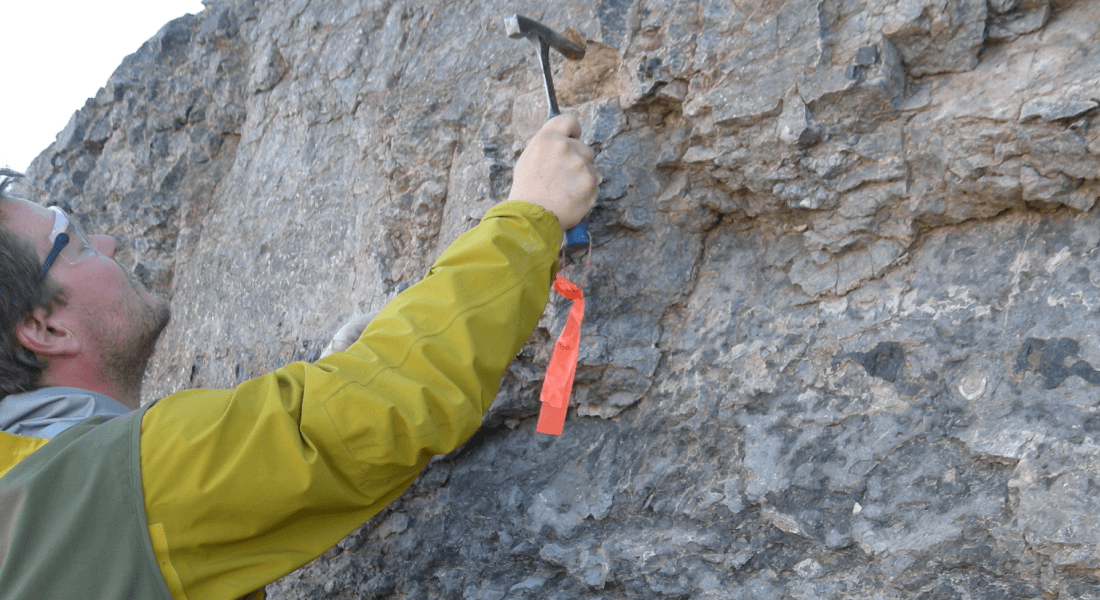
{"x":55,"y":54}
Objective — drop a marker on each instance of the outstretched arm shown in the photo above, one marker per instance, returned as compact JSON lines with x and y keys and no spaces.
{"x":243,"y":486}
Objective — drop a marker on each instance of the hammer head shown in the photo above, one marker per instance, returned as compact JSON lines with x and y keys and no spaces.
{"x":519,"y":26}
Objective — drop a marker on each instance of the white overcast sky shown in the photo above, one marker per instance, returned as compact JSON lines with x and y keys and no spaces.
{"x":55,"y":54}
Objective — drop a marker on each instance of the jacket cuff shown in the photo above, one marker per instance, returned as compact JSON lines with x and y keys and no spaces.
{"x":544,"y":222}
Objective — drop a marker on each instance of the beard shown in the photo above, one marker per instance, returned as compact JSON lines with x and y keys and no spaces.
{"x":126,"y":353}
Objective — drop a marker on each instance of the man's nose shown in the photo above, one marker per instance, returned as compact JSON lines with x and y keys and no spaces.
{"x":104,"y":244}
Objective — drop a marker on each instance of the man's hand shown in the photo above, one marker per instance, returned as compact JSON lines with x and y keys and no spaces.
{"x":557,"y":172}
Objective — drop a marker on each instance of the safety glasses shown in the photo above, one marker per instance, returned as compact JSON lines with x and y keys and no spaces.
{"x":70,"y":243}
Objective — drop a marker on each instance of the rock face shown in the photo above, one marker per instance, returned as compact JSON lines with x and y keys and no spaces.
{"x":841,"y":309}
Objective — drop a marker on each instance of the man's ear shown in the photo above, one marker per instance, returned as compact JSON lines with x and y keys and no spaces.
{"x":43,"y":333}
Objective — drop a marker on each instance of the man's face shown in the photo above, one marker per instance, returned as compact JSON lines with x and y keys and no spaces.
{"x":119,"y":319}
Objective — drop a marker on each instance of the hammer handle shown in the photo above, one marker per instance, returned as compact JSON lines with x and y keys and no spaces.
{"x":519,"y":26}
{"x":548,"y":79}
{"x":576,"y":237}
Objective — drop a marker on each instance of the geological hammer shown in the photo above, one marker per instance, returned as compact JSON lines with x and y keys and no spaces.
{"x":545,"y":38}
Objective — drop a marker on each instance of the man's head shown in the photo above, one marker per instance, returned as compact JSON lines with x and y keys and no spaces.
{"x":20,"y":294}
{"x":87,"y":323}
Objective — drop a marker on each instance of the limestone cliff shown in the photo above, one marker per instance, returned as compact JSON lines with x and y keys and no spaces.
{"x":839,"y":341}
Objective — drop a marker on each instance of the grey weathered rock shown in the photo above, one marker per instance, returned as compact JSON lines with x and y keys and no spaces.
{"x":839,"y":341}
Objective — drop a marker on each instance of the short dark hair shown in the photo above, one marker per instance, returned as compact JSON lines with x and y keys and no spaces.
{"x":20,"y":294}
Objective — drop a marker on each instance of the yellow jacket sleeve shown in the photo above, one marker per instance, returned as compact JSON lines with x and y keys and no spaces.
{"x":243,"y":486}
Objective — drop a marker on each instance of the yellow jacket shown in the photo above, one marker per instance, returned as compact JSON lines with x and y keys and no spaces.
{"x":243,"y":486}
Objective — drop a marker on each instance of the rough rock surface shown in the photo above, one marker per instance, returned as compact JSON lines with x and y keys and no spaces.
{"x":840,"y":339}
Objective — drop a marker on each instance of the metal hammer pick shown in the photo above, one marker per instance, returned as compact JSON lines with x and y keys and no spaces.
{"x":545,"y":38}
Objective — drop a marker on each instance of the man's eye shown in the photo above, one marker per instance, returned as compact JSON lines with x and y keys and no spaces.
{"x":78,"y":247}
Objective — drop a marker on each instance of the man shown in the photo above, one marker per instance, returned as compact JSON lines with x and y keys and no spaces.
{"x":95,"y":330}
{"x":214,"y":493}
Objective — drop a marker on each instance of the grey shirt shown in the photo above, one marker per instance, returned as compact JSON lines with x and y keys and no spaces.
{"x":48,"y":411}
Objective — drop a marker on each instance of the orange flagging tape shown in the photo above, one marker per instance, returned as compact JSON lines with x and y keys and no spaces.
{"x":558,"y":384}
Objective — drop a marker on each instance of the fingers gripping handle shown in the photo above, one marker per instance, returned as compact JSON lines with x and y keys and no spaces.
{"x":519,"y":26}
{"x":576,"y":237}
